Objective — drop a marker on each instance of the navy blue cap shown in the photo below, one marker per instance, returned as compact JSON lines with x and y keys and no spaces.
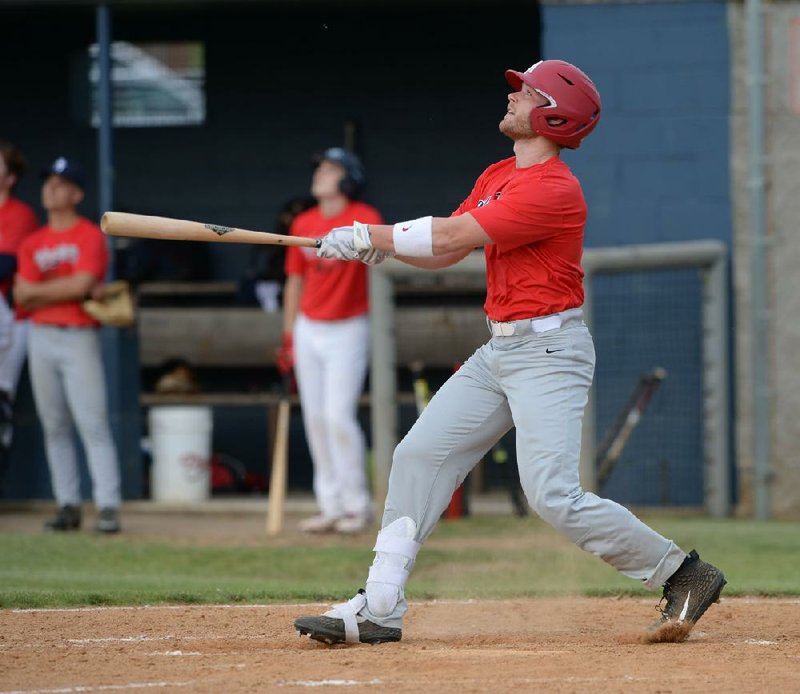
{"x":69,"y":169}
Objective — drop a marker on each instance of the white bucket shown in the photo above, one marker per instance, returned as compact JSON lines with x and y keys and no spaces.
{"x":181,"y":445}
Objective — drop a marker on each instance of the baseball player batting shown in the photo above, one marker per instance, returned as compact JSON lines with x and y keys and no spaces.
{"x":528,"y":214}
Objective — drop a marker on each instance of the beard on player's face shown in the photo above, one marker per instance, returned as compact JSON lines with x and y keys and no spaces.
{"x":516,"y":124}
{"x":516,"y":128}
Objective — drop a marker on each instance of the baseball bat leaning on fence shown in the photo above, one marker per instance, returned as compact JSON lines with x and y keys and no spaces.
{"x":280,"y":462}
{"x":609,"y":451}
{"x":422,"y":396}
{"x":147,"y":227}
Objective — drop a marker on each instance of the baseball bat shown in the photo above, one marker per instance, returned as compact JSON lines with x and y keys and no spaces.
{"x":146,"y":227}
{"x":617,"y":437}
{"x":280,"y":460}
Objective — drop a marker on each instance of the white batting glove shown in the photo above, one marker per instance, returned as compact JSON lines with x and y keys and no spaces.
{"x":374,"y":256}
{"x":367,"y":253}
{"x":338,"y":244}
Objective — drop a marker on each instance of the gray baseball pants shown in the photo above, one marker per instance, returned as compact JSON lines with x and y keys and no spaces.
{"x":68,"y":383}
{"x":537,"y":382}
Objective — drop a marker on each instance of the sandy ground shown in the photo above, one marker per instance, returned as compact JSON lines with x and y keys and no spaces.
{"x":548,"y":645}
{"x":537,"y":645}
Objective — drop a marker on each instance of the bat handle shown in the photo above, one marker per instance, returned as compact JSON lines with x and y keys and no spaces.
{"x":317,"y":243}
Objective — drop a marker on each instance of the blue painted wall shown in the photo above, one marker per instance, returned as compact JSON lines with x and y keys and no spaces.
{"x":657,"y":167}
{"x":655,"y":170}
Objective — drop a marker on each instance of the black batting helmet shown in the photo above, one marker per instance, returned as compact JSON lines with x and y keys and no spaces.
{"x":355,"y":175}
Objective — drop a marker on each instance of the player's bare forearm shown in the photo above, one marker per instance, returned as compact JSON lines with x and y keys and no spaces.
{"x":31,"y":295}
{"x":436,"y":262}
{"x":292,"y":291}
{"x":450,"y":236}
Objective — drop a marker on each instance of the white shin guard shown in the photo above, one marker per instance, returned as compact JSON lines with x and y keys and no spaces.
{"x":395,"y":553}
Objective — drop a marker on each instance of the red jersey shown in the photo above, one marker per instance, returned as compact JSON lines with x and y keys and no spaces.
{"x":49,"y":254}
{"x":17,"y":220}
{"x":535,"y":216}
{"x":332,"y":289}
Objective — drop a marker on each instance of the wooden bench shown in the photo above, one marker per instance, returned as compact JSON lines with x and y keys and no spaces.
{"x":438,"y":320}
{"x":233,"y":336}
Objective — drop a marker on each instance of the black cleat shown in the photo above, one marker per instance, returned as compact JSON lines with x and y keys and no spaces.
{"x":331,"y":630}
{"x":67,"y":518}
{"x":691,"y":590}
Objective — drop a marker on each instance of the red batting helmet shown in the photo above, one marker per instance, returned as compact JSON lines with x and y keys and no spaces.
{"x":574,"y":108}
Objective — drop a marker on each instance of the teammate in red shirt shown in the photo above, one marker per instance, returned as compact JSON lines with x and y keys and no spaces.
{"x":59,"y":266}
{"x":17,"y":220}
{"x":528,"y":213}
{"x":326,"y":339}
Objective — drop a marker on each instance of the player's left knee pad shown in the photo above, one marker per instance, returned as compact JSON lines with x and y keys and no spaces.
{"x":395,"y":553}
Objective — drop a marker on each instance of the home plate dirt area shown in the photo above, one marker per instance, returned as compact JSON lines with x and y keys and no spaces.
{"x":549,"y":645}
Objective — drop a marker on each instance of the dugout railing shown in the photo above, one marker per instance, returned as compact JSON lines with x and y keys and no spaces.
{"x":463,"y":328}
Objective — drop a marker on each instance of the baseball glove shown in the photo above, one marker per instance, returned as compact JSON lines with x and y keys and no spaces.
{"x":116,"y":306}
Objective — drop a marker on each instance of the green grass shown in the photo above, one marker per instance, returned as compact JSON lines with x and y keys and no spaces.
{"x":484,"y":557}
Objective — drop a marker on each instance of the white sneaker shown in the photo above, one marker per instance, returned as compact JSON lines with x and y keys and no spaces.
{"x":352,"y":523}
{"x":317,"y":524}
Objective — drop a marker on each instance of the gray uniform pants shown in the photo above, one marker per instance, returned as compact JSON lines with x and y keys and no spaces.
{"x":538,"y":383}
{"x":68,"y":383}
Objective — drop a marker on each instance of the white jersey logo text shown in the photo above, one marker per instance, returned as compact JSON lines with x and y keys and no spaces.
{"x":49,"y":258}
{"x":489,"y":198}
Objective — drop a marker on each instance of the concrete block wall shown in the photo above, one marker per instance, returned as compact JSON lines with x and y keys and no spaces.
{"x":782,"y":83}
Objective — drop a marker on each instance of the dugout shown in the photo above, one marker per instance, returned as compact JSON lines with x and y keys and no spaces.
{"x":283,"y":79}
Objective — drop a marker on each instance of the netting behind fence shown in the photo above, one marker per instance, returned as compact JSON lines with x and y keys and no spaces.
{"x":642,"y":320}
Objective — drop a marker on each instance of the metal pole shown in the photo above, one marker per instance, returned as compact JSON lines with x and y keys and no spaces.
{"x":760,"y":323}
{"x":588,"y":472}
{"x":120,"y":347}
{"x":105,"y":165}
{"x":716,"y":395}
{"x":383,"y":385}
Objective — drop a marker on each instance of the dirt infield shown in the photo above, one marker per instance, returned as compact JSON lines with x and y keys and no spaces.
{"x":552,"y":645}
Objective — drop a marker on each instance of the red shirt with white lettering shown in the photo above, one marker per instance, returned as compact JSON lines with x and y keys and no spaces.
{"x":48,"y":254}
{"x":332,"y":289}
{"x":17,"y":220}
{"x":535,"y":216}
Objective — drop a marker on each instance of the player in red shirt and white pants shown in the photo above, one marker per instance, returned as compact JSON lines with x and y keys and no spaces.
{"x":17,"y":220}
{"x":528,"y":212}
{"x":326,"y":335}
{"x":59,"y":266}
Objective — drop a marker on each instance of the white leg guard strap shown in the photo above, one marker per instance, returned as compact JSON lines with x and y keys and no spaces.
{"x":395,"y":553}
{"x":347,"y":612}
{"x":396,"y":545}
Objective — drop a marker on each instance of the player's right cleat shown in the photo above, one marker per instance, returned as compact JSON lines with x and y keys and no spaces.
{"x":344,"y":624}
{"x":691,"y":590}
{"x":67,"y":518}
{"x":330,"y":630}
